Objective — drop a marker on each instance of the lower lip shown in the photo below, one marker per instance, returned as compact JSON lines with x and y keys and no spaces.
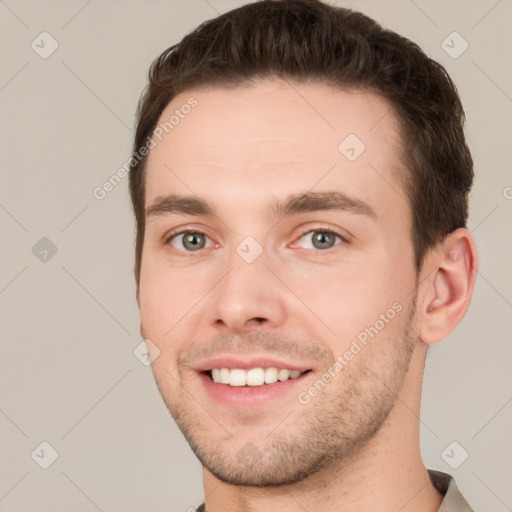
{"x":250,"y":396}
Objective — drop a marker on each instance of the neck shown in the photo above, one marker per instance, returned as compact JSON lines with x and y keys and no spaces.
{"x":386,"y":474}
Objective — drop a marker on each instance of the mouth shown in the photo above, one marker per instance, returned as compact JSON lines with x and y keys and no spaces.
{"x":252,"y":377}
{"x":237,"y":381}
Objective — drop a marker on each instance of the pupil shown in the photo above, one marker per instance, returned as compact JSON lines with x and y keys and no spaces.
{"x":322,"y":240}
{"x":192,"y":241}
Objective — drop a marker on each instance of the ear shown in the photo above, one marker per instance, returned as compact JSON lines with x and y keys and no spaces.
{"x":446,"y":286}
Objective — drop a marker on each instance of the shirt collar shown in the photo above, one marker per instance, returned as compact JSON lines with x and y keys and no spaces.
{"x":453,"y":500}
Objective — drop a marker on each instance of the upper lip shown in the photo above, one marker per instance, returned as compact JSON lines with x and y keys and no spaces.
{"x":247,"y":362}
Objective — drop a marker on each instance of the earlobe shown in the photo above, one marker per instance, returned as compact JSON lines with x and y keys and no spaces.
{"x":446,"y":292}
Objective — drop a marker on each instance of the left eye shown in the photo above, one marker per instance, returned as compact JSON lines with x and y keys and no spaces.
{"x":320,"y":239}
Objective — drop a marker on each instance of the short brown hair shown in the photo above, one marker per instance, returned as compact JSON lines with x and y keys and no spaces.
{"x":308,"y":40}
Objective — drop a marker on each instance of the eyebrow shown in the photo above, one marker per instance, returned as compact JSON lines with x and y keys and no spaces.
{"x":291,"y":205}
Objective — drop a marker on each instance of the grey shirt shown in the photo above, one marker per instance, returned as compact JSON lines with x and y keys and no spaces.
{"x":453,"y":500}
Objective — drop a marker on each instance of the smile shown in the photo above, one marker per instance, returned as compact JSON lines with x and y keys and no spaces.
{"x":252,"y":376}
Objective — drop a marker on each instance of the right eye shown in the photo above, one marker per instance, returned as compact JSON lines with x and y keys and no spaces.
{"x":189,"y":241}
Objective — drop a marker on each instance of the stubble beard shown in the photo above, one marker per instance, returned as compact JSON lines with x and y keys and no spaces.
{"x":331,"y":429}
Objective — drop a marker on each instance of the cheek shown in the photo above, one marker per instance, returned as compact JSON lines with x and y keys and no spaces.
{"x":170,"y":302}
{"x":154,"y":299}
{"x":164,"y":289}
{"x":161,"y":300}
{"x":347,"y":301}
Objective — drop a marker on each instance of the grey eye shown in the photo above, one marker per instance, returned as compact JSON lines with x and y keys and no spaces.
{"x":190,"y":240}
{"x":320,"y":239}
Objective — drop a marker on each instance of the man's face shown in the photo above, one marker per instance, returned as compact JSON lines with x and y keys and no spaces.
{"x":260,"y":287}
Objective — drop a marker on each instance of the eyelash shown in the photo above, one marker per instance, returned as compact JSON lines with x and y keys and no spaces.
{"x":318,"y":229}
{"x":325,"y":230}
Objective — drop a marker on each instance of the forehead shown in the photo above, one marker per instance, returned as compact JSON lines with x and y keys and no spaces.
{"x":273,"y":136}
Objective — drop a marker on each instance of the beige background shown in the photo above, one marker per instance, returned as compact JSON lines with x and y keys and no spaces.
{"x":69,"y":325}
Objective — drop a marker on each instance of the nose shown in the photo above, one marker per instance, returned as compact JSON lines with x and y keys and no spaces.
{"x":249,"y":297}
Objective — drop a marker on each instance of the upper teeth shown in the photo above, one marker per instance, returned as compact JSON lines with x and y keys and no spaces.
{"x":252,"y":377}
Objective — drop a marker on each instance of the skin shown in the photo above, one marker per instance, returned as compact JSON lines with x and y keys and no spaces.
{"x":355,"y":445}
